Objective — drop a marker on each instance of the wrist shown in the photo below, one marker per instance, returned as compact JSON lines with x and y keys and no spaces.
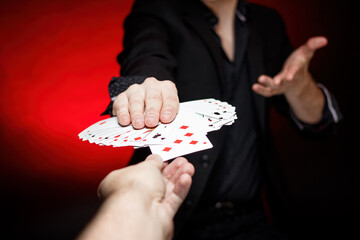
{"x":130,"y":197}
{"x":144,"y":215}
{"x":119,"y":217}
{"x":306,"y":101}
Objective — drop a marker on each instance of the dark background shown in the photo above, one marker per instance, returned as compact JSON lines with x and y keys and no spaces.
{"x":56,"y":59}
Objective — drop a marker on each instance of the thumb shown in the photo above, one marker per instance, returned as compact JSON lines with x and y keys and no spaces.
{"x":155,"y":160}
{"x":314,"y":44}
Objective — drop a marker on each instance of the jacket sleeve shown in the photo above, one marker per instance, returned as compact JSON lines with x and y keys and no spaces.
{"x":146,"y":42}
{"x":118,"y":85}
{"x":276,"y":53}
{"x":146,"y":51}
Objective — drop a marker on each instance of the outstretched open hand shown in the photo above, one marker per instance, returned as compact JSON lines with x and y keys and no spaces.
{"x":295,"y":72}
{"x":162,"y":187}
{"x":146,"y":104}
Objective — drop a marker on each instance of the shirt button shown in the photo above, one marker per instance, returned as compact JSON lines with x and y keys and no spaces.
{"x":205,"y":157}
{"x":205,"y":161}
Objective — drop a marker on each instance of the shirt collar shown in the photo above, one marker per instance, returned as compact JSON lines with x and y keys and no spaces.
{"x":210,"y":17}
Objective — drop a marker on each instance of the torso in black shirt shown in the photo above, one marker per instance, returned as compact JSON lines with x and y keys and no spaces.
{"x":235,"y":176}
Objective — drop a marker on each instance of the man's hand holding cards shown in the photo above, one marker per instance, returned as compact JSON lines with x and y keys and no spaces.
{"x":185,"y":134}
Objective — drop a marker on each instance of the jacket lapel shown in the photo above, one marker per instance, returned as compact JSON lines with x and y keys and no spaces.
{"x":200,"y":27}
{"x":195,"y":21}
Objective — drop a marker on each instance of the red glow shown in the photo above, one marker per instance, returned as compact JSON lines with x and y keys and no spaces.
{"x":56,"y":61}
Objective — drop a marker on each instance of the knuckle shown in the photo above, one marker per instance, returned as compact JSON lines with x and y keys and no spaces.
{"x":133,"y":87}
{"x":119,"y":98}
{"x":136,"y":113}
{"x":169,"y":84}
{"x":136,"y":102}
{"x":121,"y":95}
{"x":150,"y":81}
{"x":121,"y":106}
{"x":122,"y":113}
{"x":154,"y":96}
{"x":172,"y":99}
{"x":152,"y":109}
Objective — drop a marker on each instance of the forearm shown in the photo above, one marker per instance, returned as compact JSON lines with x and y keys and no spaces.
{"x":125,"y":216}
{"x":307,"y":102}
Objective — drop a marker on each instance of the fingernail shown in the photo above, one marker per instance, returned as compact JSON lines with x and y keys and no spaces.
{"x":137,"y":121}
{"x":124,"y":119}
{"x":150,"y":119}
{"x":166,"y":115}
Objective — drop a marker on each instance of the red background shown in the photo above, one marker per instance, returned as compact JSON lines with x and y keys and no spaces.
{"x":56,"y":59}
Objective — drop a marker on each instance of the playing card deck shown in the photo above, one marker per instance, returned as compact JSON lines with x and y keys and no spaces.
{"x":185,"y":134}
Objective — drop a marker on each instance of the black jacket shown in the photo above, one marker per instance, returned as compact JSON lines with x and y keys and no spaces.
{"x":170,"y":40}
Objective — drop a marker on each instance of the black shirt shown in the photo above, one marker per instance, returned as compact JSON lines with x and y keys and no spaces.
{"x":235,"y":176}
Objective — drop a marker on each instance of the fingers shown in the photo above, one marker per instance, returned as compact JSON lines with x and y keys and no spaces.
{"x":155,"y":160}
{"x":161,"y":102}
{"x":315,"y":43}
{"x":129,"y":107}
{"x":312,"y":45}
{"x":261,"y":90}
{"x":170,"y":105}
{"x":178,"y":175}
{"x":176,"y":169}
{"x":153,"y":101}
{"x":147,"y":104}
{"x":121,"y":109}
{"x":183,"y":180}
{"x":136,"y":106}
{"x":182,"y":187}
{"x":267,"y":81}
{"x":267,"y":86}
{"x":294,"y":74}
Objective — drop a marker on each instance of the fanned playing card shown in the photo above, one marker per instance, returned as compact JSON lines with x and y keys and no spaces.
{"x":185,"y":135}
